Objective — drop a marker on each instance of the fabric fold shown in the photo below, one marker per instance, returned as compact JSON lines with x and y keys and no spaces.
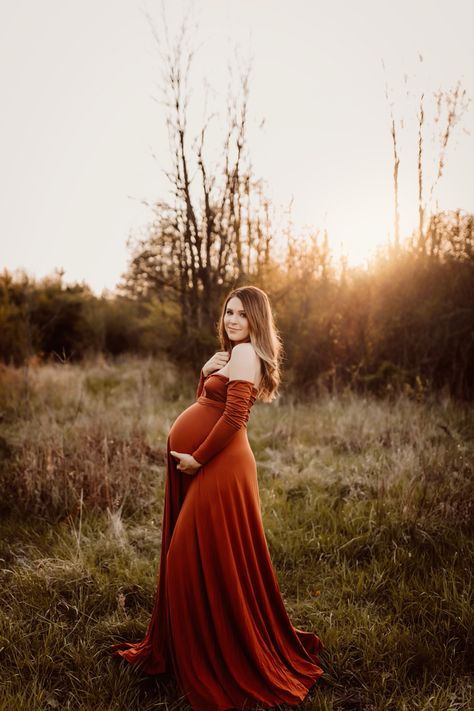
{"x":200,"y":386}
{"x":239,"y":400}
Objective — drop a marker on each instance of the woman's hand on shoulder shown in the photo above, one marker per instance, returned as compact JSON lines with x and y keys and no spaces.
{"x":244,"y":363}
{"x":217,"y":361}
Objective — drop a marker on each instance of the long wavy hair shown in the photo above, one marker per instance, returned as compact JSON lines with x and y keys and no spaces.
{"x":263,"y":335}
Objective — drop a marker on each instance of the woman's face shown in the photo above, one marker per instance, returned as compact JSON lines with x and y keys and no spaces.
{"x":235,"y":321}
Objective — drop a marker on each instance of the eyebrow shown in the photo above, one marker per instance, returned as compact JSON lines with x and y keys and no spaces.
{"x":241,"y":310}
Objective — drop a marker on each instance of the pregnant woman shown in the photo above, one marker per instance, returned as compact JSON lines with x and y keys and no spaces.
{"x":219,"y":623}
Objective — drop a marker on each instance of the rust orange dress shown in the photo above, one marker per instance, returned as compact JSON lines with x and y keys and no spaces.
{"x":219,"y":623}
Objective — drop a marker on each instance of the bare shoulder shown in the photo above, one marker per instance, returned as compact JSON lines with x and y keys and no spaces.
{"x":245,"y":363}
{"x":244,"y":353}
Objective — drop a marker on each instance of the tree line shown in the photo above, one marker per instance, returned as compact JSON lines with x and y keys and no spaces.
{"x":405,"y":322}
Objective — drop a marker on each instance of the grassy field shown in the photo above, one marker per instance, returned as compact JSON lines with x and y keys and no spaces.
{"x":368,"y":508}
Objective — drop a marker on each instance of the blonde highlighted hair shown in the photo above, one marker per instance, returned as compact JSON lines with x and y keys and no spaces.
{"x":263,"y":335}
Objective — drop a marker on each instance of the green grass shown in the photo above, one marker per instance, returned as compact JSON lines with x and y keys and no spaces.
{"x":368,"y":508}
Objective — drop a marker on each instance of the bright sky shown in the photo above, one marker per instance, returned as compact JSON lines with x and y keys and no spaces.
{"x":83,"y":140}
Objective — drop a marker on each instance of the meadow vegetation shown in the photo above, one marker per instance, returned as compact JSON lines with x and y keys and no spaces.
{"x":407,"y":322}
{"x":368,"y":509}
{"x":365,"y":462}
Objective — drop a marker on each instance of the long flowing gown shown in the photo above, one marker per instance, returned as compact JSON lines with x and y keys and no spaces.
{"x":219,"y":623}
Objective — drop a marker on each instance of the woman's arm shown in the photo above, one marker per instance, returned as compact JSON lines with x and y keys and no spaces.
{"x":236,"y":414}
{"x":239,"y":400}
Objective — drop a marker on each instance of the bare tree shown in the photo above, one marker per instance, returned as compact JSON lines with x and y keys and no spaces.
{"x":455,"y":102}
{"x":215,"y":230}
{"x":396,"y":166}
{"x":421,"y":209}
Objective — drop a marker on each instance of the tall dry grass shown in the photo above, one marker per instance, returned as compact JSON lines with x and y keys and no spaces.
{"x":367,"y":506}
{"x":94,"y":434}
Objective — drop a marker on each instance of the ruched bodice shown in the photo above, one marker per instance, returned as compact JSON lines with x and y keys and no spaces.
{"x":235,"y":398}
{"x":219,"y":623}
{"x":210,"y":388}
{"x":213,"y":390}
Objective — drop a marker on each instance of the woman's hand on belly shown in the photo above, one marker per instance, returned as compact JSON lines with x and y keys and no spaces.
{"x":187,"y":464}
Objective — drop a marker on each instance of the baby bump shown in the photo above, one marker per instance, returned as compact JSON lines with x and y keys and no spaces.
{"x":192,"y":426}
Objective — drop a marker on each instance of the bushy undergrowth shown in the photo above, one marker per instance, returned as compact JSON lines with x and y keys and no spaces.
{"x":368,"y":512}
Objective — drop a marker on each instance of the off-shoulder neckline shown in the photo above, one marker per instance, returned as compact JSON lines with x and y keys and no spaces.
{"x":220,"y":375}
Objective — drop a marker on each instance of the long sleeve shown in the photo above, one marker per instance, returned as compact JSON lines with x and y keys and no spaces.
{"x":200,"y":384}
{"x":240,"y":399}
